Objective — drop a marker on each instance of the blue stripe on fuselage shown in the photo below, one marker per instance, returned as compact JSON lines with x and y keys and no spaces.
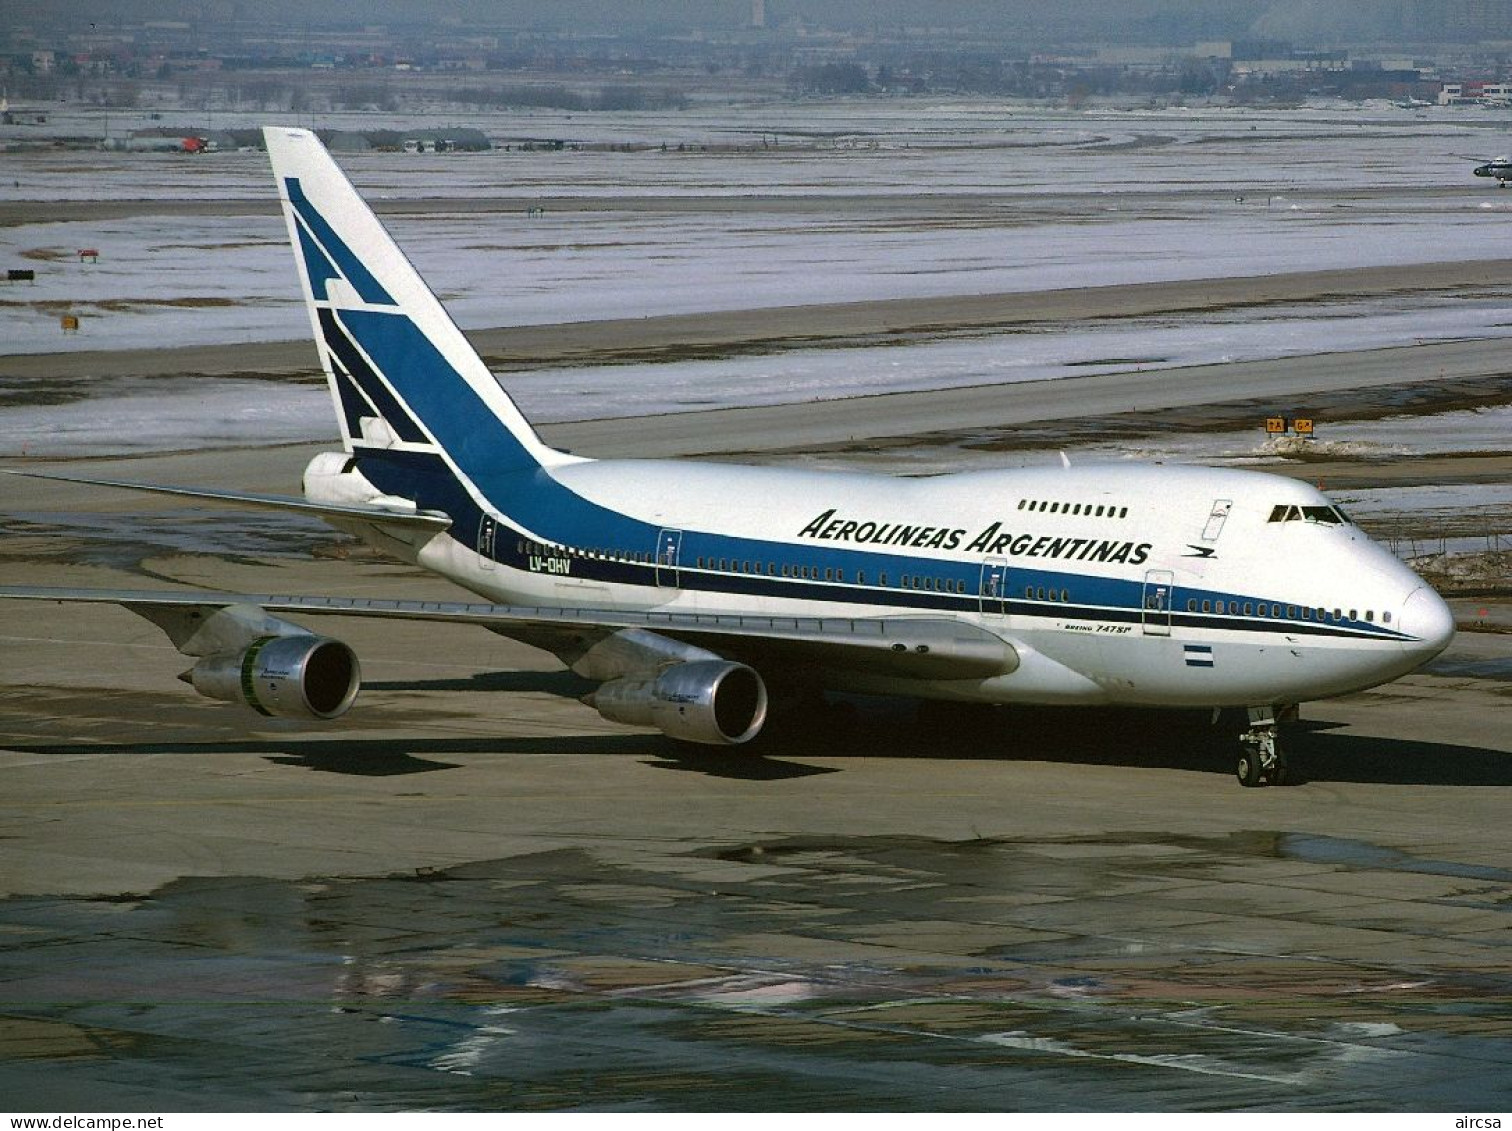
{"x":426,"y":479}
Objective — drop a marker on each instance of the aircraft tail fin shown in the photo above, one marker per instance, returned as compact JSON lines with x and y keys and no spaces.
{"x":401,"y":373}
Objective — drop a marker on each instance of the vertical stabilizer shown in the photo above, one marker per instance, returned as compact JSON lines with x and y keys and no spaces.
{"x":401,"y":373}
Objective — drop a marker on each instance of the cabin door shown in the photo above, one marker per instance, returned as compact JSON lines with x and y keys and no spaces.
{"x":668,"y":556}
{"x":488,"y":532}
{"x":1159,"y":595}
{"x":994,"y":587}
{"x":1216,"y":518}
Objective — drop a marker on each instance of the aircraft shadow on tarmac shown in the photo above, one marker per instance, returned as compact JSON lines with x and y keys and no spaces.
{"x":1319,"y":750}
{"x":1320,"y":753}
{"x":361,"y":757}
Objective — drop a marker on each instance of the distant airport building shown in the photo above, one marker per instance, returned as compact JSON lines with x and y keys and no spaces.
{"x":450,"y":140}
{"x":1475,"y":94}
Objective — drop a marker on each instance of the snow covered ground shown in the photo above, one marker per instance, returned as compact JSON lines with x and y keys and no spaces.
{"x":1071,"y":199}
{"x":198,"y":280}
{"x":132,"y":416}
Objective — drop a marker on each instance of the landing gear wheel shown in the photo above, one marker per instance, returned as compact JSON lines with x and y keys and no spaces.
{"x":1261,"y":761}
{"x":1249,"y":769}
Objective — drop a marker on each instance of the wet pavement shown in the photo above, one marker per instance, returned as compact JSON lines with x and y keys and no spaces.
{"x":858,"y":973}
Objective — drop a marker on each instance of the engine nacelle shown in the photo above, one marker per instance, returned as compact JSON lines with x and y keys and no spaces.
{"x":714,"y":702}
{"x":291,"y":677}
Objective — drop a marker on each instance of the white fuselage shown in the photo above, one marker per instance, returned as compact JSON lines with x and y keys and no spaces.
{"x":1150,"y":585}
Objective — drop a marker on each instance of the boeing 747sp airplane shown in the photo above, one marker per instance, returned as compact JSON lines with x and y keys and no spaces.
{"x":689,"y":590}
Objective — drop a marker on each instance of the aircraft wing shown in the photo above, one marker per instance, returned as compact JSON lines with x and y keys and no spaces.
{"x":399,"y":515}
{"x":912,"y":646}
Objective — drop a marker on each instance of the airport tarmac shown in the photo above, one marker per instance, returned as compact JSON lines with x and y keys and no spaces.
{"x":474,"y":893}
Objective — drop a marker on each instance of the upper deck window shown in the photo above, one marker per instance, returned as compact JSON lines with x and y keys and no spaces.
{"x":1083,"y":510}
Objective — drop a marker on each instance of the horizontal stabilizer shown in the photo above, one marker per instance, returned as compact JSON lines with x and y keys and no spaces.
{"x":429,"y":520}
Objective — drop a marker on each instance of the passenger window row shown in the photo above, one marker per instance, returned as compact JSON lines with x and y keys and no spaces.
{"x":936,"y":584}
{"x":738,"y":565}
{"x":949,"y":585}
{"x":525,"y":546}
{"x":1097,"y":510}
{"x":1040,"y":593}
{"x":1293,"y":612}
{"x":814,"y":573}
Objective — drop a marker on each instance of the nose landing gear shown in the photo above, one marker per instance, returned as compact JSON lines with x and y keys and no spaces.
{"x":1261,"y":759}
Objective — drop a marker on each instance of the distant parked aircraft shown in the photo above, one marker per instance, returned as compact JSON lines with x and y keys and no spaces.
{"x":1498,"y":167}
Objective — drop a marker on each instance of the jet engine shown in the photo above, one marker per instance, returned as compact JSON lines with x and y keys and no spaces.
{"x":713,"y":702}
{"x":291,"y":677}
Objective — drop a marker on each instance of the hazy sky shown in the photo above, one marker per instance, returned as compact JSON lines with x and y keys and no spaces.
{"x":1171,"y":20}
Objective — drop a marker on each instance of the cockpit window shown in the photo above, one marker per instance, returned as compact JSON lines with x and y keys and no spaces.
{"x":1285,"y":512}
{"x":1322,"y":514}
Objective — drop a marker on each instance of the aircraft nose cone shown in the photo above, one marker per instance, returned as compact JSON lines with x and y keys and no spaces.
{"x":1428,"y":620}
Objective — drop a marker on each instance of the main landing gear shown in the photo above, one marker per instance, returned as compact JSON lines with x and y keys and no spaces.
{"x":1261,"y":759}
